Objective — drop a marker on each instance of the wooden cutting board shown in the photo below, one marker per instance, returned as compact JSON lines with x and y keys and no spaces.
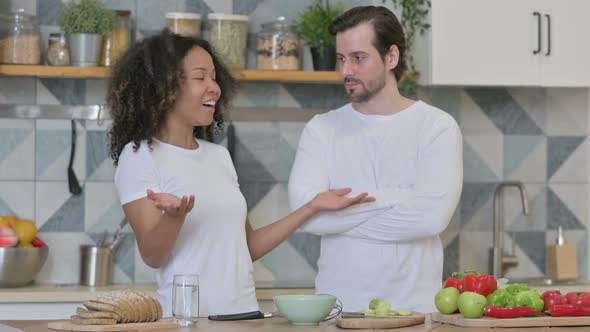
{"x":459,"y":320}
{"x":66,"y":325}
{"x":379,"y":322}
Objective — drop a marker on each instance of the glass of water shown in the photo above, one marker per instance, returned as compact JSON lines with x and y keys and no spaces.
{"x":185,"y":299}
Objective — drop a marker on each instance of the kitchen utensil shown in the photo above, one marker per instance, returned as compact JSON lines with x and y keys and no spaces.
{"x":243,"y":316}
{"x":361,"y":321}
{"x":118,"y":237}
{"x":73,"y":183}
{"x":66,"y":325}
{"x":459,"y":320}
{"x":307,"y":309}
{"x":103,"y":239}
{"x":19,"y":266}
{"x":96,"y":265}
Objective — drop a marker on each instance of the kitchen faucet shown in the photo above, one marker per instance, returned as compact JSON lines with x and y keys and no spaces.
{"x":500,"y":260}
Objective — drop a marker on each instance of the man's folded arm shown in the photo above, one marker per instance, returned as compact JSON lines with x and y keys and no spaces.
{"x":432,"y":201}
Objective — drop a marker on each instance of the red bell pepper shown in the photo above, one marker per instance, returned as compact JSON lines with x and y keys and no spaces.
{"x":578,"y":298}
{"x":454,"y":281}
{"x":552,"y":298}
{"x":510,"y":312}
{"x":569,"y":310}
{"x":483,"y":284}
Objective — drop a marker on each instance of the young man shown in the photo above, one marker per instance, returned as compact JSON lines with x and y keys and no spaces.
{"x":405,"y":153}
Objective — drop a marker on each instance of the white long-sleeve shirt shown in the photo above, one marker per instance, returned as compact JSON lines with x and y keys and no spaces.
{"x":412,"y":162}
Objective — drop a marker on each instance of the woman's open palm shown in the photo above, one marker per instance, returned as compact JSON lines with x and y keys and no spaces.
{"x":337,"y":200}
{"x":171,"y":204}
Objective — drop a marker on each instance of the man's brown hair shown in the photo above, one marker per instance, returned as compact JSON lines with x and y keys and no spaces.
{"x":388,"y":30}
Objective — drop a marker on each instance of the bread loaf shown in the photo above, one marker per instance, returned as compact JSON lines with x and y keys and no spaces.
{"x":125,"y":306}
{"x":93,"y":321}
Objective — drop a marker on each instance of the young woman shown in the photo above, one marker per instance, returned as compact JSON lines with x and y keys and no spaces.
{"x":178,"y":190}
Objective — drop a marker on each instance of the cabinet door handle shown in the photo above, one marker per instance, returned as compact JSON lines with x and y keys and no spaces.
{"x":548,"y":17}
{"x":538,"y":15}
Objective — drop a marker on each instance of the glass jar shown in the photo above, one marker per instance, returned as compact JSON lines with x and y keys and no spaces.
{"x":116,"y":41}
{"x":228,"y":35}
{"x":58,"y":51}
{"x":277,"y":47}
{"x":21,"y":42}
{"x":184,"y":24}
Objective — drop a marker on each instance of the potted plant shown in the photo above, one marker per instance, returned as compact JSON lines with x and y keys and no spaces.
{"x":312,"y":26}
{"x":413,"y":20}
{"x":85,"y":23}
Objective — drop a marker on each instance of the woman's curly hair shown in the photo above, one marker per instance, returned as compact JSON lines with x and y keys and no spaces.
{"x":146,"y":83}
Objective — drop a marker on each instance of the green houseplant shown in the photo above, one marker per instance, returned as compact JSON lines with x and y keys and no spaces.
{"x":413,"y":20}
{"x":312,"y":26}
{"x":85,"y":22}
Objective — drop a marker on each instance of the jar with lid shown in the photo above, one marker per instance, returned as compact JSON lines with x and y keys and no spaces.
{"x":228,"y":36}
{"x":58,"y":51}
{"x":116,"y":41}
{"x":277,"y":47}
{"x":184,"y":24}
{"x":21,"y":42}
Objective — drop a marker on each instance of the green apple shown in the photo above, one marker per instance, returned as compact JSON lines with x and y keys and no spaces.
{"x":471,"y":304}
{"x":446,"y":300}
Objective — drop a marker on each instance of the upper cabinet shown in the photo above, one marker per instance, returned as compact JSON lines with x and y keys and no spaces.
{"x":506,"y":42}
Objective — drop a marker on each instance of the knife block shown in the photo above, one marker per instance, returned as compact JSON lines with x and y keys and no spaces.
{"x":562,"y":262}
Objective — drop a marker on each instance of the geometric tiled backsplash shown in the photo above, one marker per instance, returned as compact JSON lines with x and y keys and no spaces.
{"x":535,"y":135}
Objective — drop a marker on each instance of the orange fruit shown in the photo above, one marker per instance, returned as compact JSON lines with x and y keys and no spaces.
{"x":25,"y":230}
{"x":24,"y":245}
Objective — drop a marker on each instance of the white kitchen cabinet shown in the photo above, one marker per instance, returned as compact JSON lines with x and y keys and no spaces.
{"x":506,"y":43}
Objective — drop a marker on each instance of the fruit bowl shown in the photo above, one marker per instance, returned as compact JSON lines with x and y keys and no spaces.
{"x":305,"y":309}
{"x":19,"y":266}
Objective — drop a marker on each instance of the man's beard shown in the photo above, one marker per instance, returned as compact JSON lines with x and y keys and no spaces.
{"x":368,"y":91}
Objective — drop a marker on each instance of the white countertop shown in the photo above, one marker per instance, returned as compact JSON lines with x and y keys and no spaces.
{"x":57,"y":293}
{"x":76,"y":293}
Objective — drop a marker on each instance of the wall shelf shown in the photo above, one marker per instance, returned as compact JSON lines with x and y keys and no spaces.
{"x":284,"y":76}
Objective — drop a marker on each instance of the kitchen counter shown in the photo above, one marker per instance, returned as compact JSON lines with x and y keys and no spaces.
{"x":75,"y":293}
{"x":280,"y":324}
{"x":258,"y":325}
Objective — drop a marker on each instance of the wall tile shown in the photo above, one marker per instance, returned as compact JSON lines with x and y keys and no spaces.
{"x":67,"y":91}
{"x":559,"y":149}
{"x":48,"y":11}
{"x":151,"y":14}
{"x":567,"y":111}
{"x":57,"y":210}
{"x":16,"y":198}
{"x":333,"y":95}
{"x":17,"y":150}
{"x":482,"y":158}
{"x":54,"y":145}
{"x":63,"y":261}
{"x":524,"y":157}
{"x":567,"y":206}
{"x":504,"y":111}
{"x":102,"y":209}
{"x":16,"y":90}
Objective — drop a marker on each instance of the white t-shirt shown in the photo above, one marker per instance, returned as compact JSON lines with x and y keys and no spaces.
{"x":412,"y":162}
{"x":212,"y":241}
